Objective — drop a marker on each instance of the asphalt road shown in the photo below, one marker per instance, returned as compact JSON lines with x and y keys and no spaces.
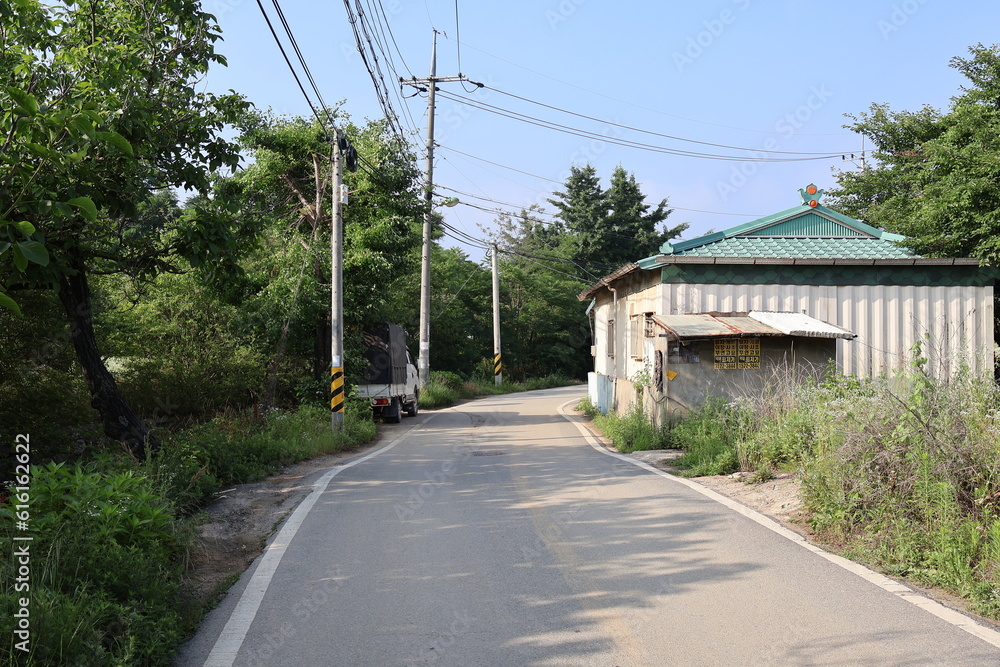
{"x":494,"y":533}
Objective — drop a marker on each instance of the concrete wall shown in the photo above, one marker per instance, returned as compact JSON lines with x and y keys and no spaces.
{"x":782,"y":360}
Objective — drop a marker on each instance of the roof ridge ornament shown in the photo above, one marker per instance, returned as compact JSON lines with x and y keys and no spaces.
{"x":811,"y":195}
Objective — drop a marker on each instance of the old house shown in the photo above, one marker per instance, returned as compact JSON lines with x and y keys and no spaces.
{"x":880,"y":301}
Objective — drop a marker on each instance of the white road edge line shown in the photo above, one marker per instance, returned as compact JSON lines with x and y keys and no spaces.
{"x":228,"y":644}
{"x":947,"y":614}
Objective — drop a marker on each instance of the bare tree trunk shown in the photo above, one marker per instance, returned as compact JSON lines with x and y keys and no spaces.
{"x":119,"y":422}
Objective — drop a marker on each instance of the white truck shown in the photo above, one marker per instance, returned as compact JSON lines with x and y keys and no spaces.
{"x":390,"y":380}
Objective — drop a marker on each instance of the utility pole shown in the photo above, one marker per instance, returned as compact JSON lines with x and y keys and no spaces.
{"x":424,"y":358}
{"x":497,"y":361}
{"x":337,"y":292}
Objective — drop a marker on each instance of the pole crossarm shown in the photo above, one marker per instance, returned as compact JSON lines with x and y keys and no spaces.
{"x":417,"y":82}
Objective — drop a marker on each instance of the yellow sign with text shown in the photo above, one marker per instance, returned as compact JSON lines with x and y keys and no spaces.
{"x":737,"y":353}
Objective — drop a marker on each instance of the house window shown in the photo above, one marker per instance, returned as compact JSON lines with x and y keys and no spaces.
{"x":611,"y":338}
{"x":636,"y":330}
{"x":641,"y":326}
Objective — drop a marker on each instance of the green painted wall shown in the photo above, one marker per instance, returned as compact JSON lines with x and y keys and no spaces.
{"x":778,"y":274}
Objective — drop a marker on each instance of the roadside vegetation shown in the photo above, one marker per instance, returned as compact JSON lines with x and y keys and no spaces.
{"x":900,"y":473}
{"x":159,"y":350}
{"x":156,"y":351}
{"x":110,"y":533}
{"x":446,"y":388}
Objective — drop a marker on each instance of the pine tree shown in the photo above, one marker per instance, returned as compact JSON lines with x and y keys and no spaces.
{"x":609,"y":228}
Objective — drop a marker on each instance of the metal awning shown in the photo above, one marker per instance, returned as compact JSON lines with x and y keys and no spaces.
{"x":798,"y":324}
{"x":753,"y":324}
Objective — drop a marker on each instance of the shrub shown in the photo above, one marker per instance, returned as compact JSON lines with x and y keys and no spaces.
{"x":434,"y":395}
{"x":587,"y":407}
{"x":711,"y":438}
{"x":632,"y":431}
{"x":107,"y":558}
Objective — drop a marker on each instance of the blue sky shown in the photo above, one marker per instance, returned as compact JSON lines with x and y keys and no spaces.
{"x":745,"y":73}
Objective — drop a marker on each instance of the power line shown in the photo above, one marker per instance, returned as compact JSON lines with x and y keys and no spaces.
{"x":493,"y":201}
{"x":545,"y":266}
{"x":362,"y":34}
{"x":639,"y":106}
{"x":288,"y":62}
{"x":382,"y":28}
{"x":503,"y":166}
{"x":587,"y":134}
{"x":476,"y":268}
{"x":552,"y":180}
{"x":650,"y":132}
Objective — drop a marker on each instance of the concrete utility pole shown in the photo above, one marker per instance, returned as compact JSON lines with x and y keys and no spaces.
{"x":337,"y":291}
{"x":424,"y":359}
{"x":497,"y":361}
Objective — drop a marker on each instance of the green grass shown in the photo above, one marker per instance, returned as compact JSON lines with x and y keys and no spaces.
{"x":632,"y":431}
{"x":110,"y":535}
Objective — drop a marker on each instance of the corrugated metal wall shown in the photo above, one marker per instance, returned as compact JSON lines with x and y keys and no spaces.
{"x":954,"y":325}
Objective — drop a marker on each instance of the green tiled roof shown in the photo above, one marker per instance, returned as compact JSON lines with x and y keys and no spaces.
{"x":801,"y":232}
{"x":800,"y":248}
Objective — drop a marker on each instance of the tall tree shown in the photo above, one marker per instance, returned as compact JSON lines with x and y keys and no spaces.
{"x":933,"y":176}
{"x":103,"y":110}
{"x":582,"y":205}
{"x":289,"y":183}
{"x":608,"y":228}
{"x":632,"y":230}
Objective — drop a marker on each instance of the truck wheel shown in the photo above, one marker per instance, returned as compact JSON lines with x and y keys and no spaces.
{"x":411,"y":408}
{"x":393,"y":414}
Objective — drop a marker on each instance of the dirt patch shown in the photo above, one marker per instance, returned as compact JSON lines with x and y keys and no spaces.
{"x":778,"y":498}
{"x":233,"y":530}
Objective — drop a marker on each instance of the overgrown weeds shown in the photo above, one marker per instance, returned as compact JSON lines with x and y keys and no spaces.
{"x":902,"y":472}
{"x":632,"y":431}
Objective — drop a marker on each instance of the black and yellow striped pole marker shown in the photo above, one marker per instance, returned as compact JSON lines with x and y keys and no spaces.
{"x":337,"y":393}
{"x":498,"y":368}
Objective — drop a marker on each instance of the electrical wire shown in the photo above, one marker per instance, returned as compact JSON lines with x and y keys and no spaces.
{"x":476,"y":268}
{"x":493,"y":201}
{"x":639,"y":106}
{"x":369,"y":58}
{"x":586,"y":134}
{"x":288,"y":62}
{"x":302,"y":60}
{"x":552,"y":180}
{"x":545,"y":266}
{"x":497,"y":164}
{"x":383,"y":35}
{"x":655,"y":134}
